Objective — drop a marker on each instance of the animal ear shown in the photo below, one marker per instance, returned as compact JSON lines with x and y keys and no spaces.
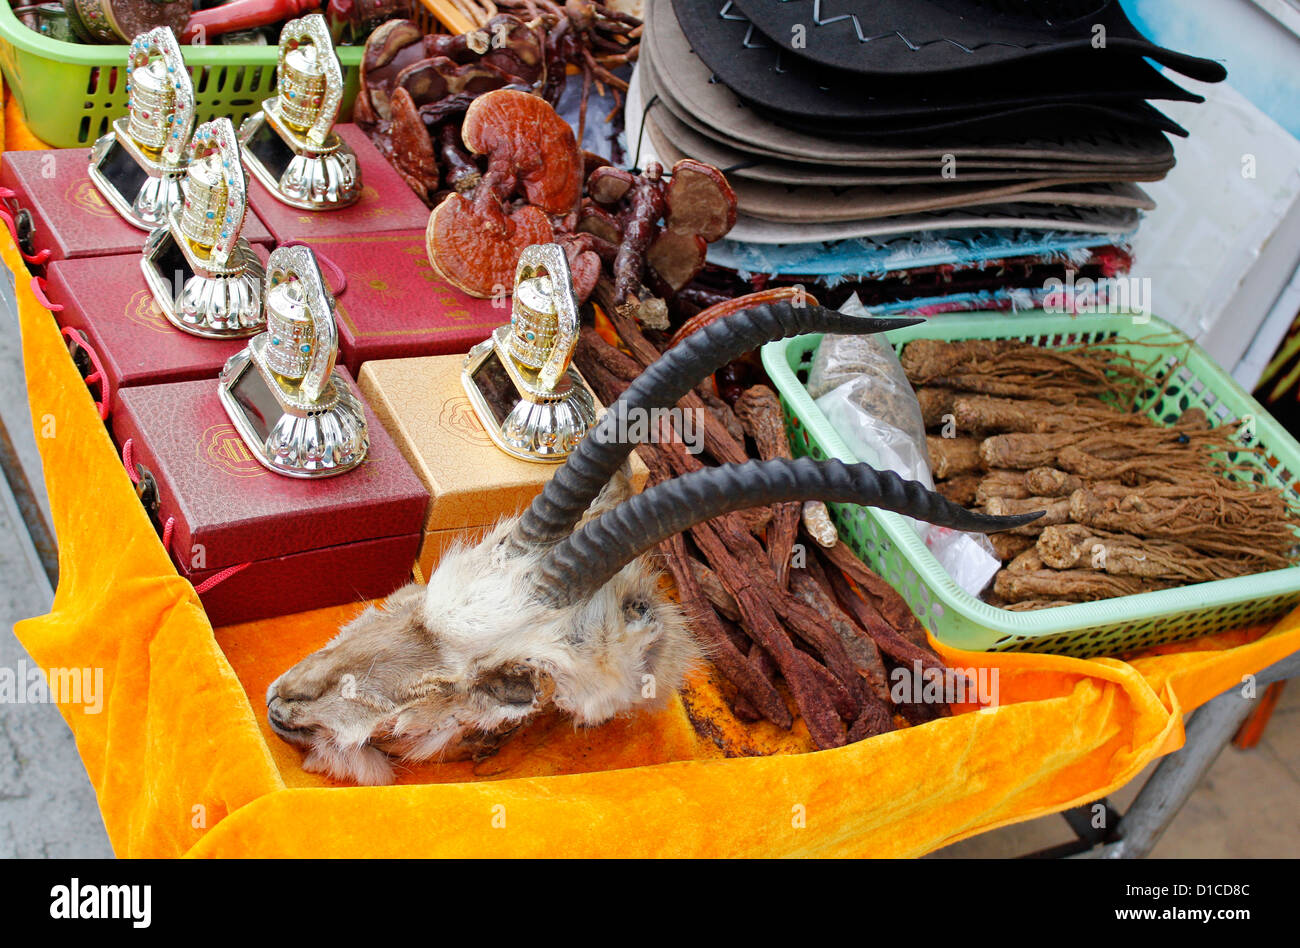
{"x":516,"y":683}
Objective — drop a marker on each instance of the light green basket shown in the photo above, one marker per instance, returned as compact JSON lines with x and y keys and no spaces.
{"x":68,"y":93}
{"x":892,"y":548}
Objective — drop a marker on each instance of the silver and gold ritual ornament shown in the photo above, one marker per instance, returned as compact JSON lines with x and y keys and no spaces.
{"x":532,"y":402}
{"x":204,"y":276}
{"x":290,"y":146}
{"x":138,"y":165}
{"x":293,"y":410}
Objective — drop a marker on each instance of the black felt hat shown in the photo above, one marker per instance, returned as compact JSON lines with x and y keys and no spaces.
{"x":918,"y":37}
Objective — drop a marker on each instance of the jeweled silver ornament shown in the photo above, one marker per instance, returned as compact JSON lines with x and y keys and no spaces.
{"x":296,"y":413}
{"x":138,"y":166}
{"x":530,"y":400}
{"x":204,"y":276}
{"x":290,"y":146}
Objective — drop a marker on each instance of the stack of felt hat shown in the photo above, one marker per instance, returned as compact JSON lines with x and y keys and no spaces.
{"x":987,"y":130}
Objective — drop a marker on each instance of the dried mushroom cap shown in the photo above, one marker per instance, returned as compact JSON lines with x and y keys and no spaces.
{"x":524,"y":131}
{"x":595,"y":220}
{"x":677,"y":258}
{"x":609,"y":185}
{"x":411,"y":141}
{"x":700,"y":201}
{"x":429,"y":81}
{"x":473,"y":255}
{"x":393,"y":46}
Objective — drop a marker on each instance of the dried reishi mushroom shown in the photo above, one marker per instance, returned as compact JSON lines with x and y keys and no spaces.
{"x":642,"y":209}
{"x":505,"y":41}
{"x":528,"y":144}
{"x":476,"y":257}
{"x":431,"y":80}
{"x":459,"y":169}
{"x":609,"y":185}
{"x":412,"y":149}
{"x":392,"y":47}
{"x":677,"y":259}
{"x":700,"y":201}
{"x":594,"y":219}
{"x":584,"y":269}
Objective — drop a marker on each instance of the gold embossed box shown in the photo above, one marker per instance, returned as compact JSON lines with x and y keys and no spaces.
{"x":472,"y":483}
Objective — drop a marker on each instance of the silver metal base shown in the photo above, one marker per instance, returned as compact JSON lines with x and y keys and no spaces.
{"x":303,"y":443}
{"x":316,"y":179}
{"x":224,"y":303}
{"x":150,"y":207}
{"x":544,"y":425}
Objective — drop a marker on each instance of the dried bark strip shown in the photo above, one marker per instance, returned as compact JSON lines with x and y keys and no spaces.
{"x":884,"y":597}
{"x":759,"y":411}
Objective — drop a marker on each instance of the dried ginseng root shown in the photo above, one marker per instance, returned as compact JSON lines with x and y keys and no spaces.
{"x":1008,"y":484}
{"x":1070,"y":585}
{"x":1056,"y":510}
{"x":1072,"y":545}
{"x":961,"y":489}
{"x":952,"y":456}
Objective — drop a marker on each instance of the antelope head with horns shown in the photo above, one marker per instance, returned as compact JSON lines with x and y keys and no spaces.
{"x":558,"y":608}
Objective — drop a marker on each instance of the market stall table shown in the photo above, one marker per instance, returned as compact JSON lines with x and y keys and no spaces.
{"x":182,"y":733}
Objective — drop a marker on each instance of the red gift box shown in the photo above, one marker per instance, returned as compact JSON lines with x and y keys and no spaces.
{"x":306,"y":543}
{"x":110,"y":309}
{"x":394,"y":306}
{"x":68,"y":216}
{"x":387,"y":203}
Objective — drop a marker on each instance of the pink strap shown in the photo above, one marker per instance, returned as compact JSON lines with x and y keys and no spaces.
{"x":220,"y":577}
{"x":169,"y":528}
{"x":106,"y":388}
{"x":128,"y":460}
{"x":337,"y":276}
{"x":38,"y":290}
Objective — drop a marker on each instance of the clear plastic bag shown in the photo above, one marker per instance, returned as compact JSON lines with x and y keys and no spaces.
{"x":859,"y":384}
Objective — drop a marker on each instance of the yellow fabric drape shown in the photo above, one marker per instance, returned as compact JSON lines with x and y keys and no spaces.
{"x":183,"y":763}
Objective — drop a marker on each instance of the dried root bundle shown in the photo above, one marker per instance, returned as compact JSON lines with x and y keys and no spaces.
{"x":1129,"y":505}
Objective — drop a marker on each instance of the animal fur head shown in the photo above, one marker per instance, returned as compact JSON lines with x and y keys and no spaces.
{"x":447,"y":671}
{"x":559,"y":608}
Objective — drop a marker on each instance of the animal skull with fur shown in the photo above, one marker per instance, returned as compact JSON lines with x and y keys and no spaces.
{"x":558,"y":608}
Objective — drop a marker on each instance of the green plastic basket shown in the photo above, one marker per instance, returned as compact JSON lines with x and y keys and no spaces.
{"x":892,"y":548}
{"x":68,"y":93}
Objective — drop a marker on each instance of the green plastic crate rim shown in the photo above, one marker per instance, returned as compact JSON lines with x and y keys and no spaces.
{"x":68,"y":93}
{"x":1113,"y":626}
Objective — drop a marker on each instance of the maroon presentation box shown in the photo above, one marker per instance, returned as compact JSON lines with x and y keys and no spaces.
{"x":68,"y":216}
{"x":307,"y":543}
{"x":106,"y":302}
{"x":394,"y":306}
{"x":387,"y":203}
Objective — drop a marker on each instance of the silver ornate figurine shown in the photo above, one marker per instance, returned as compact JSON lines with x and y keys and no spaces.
{"x":531,"y":401}
{"x":138,"y":165}
{"x":293,"y":410}
{"x":204,"y":276}
{"x":290,"y":146}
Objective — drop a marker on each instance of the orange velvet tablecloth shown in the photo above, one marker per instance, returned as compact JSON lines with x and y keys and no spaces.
{"x":184,"y":763}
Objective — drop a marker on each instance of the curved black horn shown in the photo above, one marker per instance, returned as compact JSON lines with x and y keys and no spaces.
{"x":584,"y":561}
{"x":575,"y":485}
